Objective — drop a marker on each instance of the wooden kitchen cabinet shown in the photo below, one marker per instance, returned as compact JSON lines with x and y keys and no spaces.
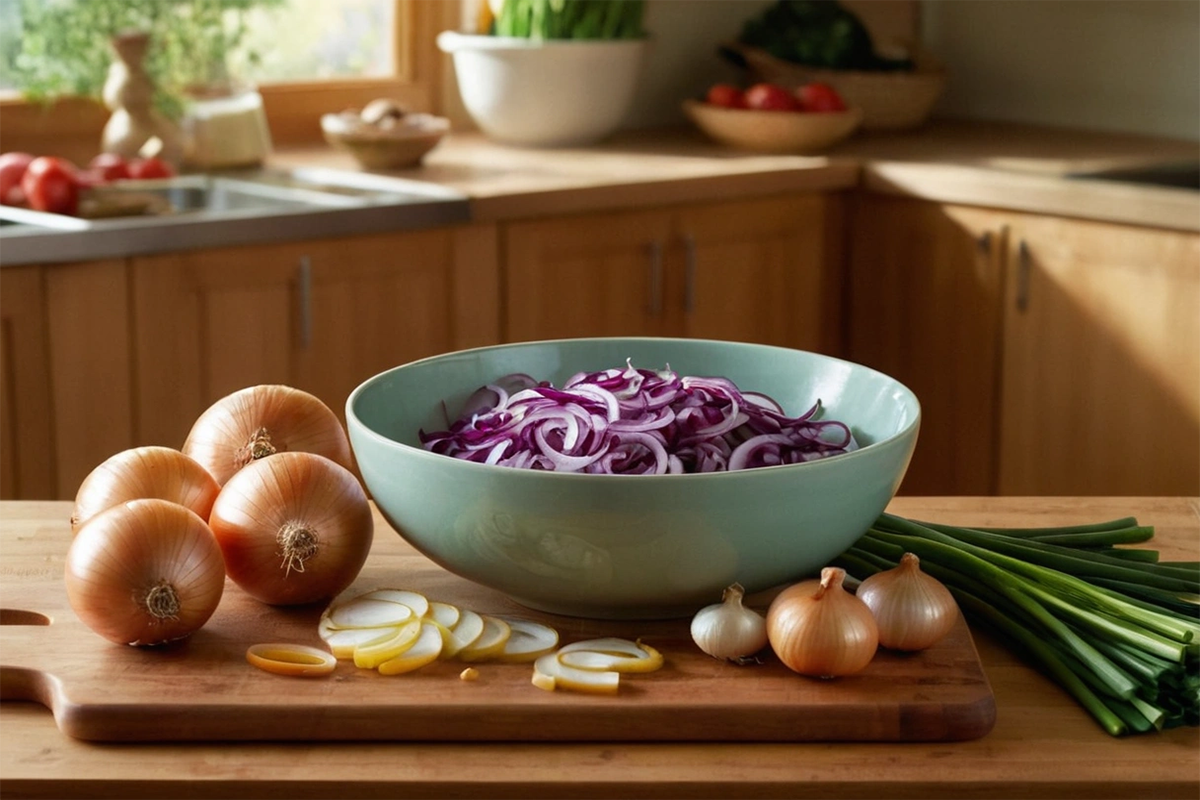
{"x":1101,"y":360}
{"x":90,"y":352}
{"x":322,"y":316}
{"x":761,"y":270}
{"x":26,"y":427}
{"x":926,"y":293}
{"x":1051,"y":356}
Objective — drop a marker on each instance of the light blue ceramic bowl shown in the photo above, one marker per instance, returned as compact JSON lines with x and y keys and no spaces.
{"x":637,"y":546}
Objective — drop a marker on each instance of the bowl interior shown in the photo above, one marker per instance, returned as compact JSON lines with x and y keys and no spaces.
{"x":428,"y":394}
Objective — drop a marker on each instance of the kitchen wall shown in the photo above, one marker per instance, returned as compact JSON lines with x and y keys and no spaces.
{"x":1119,"y":65}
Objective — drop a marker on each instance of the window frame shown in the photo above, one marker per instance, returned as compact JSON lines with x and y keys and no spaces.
{"x":293,"y":109}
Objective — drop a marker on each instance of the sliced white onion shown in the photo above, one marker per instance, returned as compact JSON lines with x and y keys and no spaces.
{"x":464,"y":634}
{"x":444,"y":614}
{"x":296,"y":660}
{"x":358,"y":613}
{"x":417,"y":602}
{"x":342,"y":642}
{"x":425,"y":650}
{"x":593,"y":660}
{"x":371,"y":654}
{"x":550,"y":673}
{"x":490,"y":643}
{"x":528,"y":641}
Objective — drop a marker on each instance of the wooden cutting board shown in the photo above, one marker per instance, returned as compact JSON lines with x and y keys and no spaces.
{"x":204,"y":689}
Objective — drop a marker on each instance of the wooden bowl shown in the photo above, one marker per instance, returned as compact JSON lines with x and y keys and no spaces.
{"x":379,"y":148}
{"x":889,"y":100}
{"x":773,"y":131}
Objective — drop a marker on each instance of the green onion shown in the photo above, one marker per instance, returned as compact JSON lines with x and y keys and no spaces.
{"x":1119,"y":632}
{"x":571,"y":19}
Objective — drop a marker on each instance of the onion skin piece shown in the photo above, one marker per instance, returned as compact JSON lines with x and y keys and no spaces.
{"x":263,"y":420}
{"x":142,"y":473}
{"x":139,"y":558}
{"x":319,"y":504}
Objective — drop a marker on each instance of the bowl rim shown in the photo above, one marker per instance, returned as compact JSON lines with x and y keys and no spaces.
{"x":352,"y":418}
{"x":455,"y":41}
{"x":702,"y":107}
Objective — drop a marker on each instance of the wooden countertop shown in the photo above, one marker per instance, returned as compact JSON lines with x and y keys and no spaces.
{"x":999,"y":165}
{"x":1043,"y":745}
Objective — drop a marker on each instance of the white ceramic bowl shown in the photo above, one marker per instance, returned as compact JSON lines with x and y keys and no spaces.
{"x":548,"y":93}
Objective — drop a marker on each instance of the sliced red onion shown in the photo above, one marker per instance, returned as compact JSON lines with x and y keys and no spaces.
{"x":632,"y":422}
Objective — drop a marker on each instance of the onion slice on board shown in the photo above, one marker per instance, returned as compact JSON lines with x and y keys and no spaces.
{"x":296,"y":660}
{"x":424,"y":650}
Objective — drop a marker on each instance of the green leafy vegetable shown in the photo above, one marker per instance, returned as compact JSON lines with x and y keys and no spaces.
{"x":817,"y":33}
{"x":1122,"y":635}
{"x":571,"y":19}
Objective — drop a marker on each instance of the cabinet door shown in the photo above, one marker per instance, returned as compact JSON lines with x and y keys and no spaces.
{"x":926,"y":293}
{"x":1101,"y":385}
{"x":91,"y":369}
{"x":322,"y":316}
{"x":761,"y":270}
{"x":589,"y":275}
{"x":26,"y":432}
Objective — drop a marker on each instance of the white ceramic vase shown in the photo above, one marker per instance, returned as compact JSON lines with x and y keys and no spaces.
{"x":546,"y":93}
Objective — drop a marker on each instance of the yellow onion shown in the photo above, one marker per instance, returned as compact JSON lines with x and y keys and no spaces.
{"x":294,"y":528}
{"x":819,"y":629}
{"x":912,"y":609}
{"x":145,"y":472}
{"x":260,"y":421}
{"x":144,"y":572}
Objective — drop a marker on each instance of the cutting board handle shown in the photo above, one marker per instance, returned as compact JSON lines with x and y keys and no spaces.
{"x":18,"y":683}
{"x":20,"y":616}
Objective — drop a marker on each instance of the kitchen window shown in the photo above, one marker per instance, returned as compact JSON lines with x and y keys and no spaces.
{"x":307,"y":57}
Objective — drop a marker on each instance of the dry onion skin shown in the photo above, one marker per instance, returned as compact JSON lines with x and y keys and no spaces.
{"x":145,"y":572}
{"x":294,"y":528}
{"x":819,"y":629}
{"x":142,"y":473}
{"x":260,"y":421}
{"x":913,"y":610}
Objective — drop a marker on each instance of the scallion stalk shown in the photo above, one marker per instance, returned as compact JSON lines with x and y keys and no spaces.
{"x":571,"y":19}
{"x":1120,"y":634}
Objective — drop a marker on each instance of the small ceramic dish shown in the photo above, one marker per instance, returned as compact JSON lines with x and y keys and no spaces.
{"x":403,"y":143}
{"x":773,"y":131}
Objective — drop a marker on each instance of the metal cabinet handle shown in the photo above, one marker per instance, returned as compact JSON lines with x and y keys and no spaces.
{"x":304,"y":289}
{"x":1024,"y":267}
{"x":689,"y":273}
{"x":655,"y":307}
{"x":983,"y":243}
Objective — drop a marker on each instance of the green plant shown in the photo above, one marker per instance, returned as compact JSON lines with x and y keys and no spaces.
{"x":63,"y":47}
{"x":570,"y":19}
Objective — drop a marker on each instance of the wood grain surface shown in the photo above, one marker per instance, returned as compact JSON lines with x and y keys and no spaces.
{"x":204,"y":689}
{"x":1043,"y":744}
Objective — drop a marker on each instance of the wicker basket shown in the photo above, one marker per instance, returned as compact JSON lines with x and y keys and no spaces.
{"x":889,"y":100}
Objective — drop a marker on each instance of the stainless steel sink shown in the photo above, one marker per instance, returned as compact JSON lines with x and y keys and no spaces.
{"x":242,"y":207}
{"x":1175,"y":175}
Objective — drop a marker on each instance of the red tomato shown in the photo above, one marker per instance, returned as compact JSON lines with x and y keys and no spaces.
{"x":769,"y":97}
{"x":726,"y":95}
{"x":820,"y":97}
{"x":12,"y":169}
{"x":109,"y":167}
{"x":147,"y":168}
{"x":49,"y":184}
